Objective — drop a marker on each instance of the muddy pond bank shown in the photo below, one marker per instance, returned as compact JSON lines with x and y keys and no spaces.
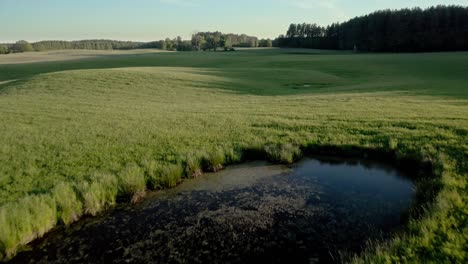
{"x":249,"y":213}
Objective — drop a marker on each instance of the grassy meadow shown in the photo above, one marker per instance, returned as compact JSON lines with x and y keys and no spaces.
{"x":79,"y":135}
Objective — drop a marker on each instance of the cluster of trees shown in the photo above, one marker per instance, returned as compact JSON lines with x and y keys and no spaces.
{"x":242,"y":40}
{"x":310,"y":36}
{"x":215,"y":40}
{"x":210,"y":41}
{"x":440,"y":28}
{"x":266,"y":43}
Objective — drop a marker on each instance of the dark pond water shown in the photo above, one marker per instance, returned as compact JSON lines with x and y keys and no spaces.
{"x":250,"y":213}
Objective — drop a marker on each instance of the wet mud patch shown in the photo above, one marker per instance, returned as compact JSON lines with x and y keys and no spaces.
{"x":251,"y":213}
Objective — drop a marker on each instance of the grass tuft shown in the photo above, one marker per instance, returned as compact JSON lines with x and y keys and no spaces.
{"x":233,"y":155}
{"x":193,"y":166}
{"x":99,"y":193}
{"x":214,"y":159}
{"x":69,"y":207}
{"x":164,"y":175}
{"x":392,"y":144}
{"x":283,"y":153}
{"x":171,"y":175}
{"x":132,"y":182}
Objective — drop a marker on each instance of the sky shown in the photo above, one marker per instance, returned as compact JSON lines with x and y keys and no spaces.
{"x":147,"y":20}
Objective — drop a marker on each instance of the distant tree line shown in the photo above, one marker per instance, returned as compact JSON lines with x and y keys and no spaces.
{"x":440,"y":28}
{"x":199,"y":41}
{"x":96,"y":44}
{"x":167,"y":44}
{"x":24,"y":46}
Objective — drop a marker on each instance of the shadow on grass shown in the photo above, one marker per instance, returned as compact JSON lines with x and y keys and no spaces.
{"x":279,"y":71}
{"x":264,"y":72}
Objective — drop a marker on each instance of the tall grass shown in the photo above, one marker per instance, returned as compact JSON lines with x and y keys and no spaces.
{"x":25,"y":220}
{"x":214,"y":159}
{"x":283,"y":153}
{"x":193,"y":166}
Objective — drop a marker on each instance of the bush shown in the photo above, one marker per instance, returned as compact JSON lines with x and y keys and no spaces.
{"x":4,"y":49}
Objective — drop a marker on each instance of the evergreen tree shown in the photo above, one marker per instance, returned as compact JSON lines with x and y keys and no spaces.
{"x":440,"y":28}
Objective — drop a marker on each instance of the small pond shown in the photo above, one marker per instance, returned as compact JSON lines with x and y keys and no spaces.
{"x":251,"y":213}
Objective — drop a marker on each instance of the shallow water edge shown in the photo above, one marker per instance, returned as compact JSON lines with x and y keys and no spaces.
{"x":307,"y":213}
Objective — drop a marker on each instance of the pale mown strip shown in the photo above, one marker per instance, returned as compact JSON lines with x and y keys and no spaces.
{"x":5,"y":82}
{"x":64,"y":55}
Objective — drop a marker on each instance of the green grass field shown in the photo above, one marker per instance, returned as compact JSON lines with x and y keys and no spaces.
{"x":77,"y":134}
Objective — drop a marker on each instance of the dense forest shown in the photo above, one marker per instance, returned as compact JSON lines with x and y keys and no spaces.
{"x":440,"y":28}
{"x":199,"y":41}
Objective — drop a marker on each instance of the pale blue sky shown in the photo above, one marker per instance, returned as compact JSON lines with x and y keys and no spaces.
{"x":146,"y":20}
